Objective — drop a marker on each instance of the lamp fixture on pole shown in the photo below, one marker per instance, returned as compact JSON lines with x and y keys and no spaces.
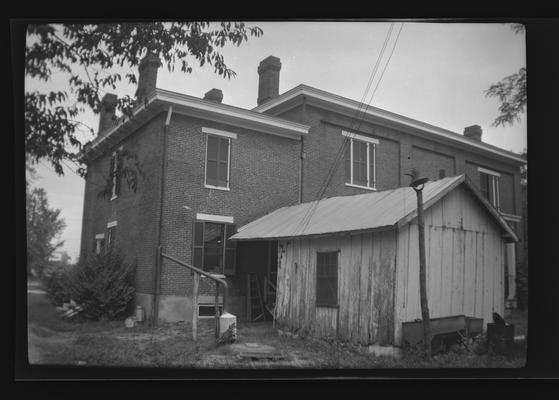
{"x":418,"y":184}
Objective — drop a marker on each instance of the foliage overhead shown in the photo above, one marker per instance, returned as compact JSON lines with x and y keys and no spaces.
{"x":511,"y":92}
{"x":44,"y":225}
{"x":94,"y":57}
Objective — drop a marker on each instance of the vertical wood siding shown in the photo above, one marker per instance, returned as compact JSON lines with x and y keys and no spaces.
{"x":465,"y":263}
{"x":366,"y":273}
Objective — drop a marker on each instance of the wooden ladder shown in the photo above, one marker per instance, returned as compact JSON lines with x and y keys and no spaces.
{"x":255,"y":309}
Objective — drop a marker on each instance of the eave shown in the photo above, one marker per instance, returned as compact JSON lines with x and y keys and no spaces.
{"x":160,"y":100}
{"x":345,"y":106}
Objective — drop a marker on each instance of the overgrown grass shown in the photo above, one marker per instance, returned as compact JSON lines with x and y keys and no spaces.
{"x":109,"y":343}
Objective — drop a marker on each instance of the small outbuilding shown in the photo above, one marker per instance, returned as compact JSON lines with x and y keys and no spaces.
{"x":348,"y":267}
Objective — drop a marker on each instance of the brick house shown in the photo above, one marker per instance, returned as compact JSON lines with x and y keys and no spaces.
{"x":210,"y":167}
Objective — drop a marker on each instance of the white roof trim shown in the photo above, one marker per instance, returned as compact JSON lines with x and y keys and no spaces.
{"x":194,"y":103}
{"x":488,"y":171}
{"x":218,"y":132}
{"x":360,"y":137}
{"x":215,"y":218}
{"x":382,"y":114}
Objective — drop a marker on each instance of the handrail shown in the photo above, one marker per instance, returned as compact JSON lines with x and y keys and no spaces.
{"x":202,"y":273}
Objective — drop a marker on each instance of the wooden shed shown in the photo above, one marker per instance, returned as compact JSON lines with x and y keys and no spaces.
{"x":348,"y":267}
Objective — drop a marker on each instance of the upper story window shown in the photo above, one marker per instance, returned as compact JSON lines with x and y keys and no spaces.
{"x":218,"y":158}
{"x":115,"y":173}
{"x":212,"y":249}
{"x":360,"y":161}
{"x":489,"y":186}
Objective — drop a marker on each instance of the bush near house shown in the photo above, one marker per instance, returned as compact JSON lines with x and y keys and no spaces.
{"x":103,"y":286}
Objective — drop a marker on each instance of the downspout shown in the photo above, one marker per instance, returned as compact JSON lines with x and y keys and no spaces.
{"x":302,"y":152}
{"x":157,"y":271}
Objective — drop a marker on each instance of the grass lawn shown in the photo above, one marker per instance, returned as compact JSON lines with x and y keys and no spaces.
{"x":53,"y":340}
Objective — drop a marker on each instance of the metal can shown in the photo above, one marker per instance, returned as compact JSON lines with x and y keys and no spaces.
{"x":140,"y":314}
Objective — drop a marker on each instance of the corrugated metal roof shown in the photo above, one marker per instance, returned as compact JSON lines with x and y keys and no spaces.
{"x":345,"y":213}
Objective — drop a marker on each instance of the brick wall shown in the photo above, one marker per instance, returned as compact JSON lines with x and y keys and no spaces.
{"x":264,"y":177}
{"x":397,"y":153}
{"x":136,"y":213}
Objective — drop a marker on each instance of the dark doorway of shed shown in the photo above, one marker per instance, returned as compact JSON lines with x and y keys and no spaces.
{"x":258,"y":267}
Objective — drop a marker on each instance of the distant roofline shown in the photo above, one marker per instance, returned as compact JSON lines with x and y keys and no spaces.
{"x":334,"y":99}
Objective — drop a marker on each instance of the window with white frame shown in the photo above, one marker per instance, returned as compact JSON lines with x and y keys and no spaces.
{"x":99,"y":243}
{"x":115,"y":173}
{"x":212,"y":249}
{"x":489,"y":186}
{"x":360,"y":160}
{"x":218,"y":158}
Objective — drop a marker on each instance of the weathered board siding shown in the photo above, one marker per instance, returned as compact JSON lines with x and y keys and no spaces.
{"x":465,"y":263}
{"x":366,"y":272}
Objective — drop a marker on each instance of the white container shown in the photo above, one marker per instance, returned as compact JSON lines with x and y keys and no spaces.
{"x":225,"y":321}
{"x":140,"y":314}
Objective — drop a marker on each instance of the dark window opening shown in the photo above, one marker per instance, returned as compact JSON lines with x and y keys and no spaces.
{"x":212,"y":251}
{"x":327,"y":278}
{"x":208,"y":310}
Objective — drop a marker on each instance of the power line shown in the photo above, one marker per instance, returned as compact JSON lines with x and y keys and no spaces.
{"x":308,"y":215}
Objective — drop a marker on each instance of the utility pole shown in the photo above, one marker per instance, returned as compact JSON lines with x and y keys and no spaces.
{"x":417,"y":184}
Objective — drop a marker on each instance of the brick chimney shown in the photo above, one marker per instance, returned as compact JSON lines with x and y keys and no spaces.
{"x":473,"y":132}
{"x":215,"y":95}
{"x":107,"y":114}
{"x":268,"y":82}
{"x":148,"y":76}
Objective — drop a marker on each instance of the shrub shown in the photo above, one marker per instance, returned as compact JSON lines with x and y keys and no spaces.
{"x":56,"y":284}
{"x":103,"y":286}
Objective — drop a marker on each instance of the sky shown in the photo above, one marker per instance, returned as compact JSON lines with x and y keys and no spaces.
{"x":437,"y":74}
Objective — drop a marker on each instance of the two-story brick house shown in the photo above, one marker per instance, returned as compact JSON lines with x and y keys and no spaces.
{"x":210,"y":167}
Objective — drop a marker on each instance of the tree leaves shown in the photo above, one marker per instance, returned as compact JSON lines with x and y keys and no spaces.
{"x":91,"y":55}
{"x":511,"y":92}
{"x":43,"y":226}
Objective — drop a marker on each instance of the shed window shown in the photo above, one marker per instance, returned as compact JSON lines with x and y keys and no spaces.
{"x":217,"y":161}
{"x":489,"y":185}
{"x":327,"y":278}
{"x":212,"y":251}
{"x":360,"y":160}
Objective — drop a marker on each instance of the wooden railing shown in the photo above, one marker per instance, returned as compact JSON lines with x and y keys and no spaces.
{"x":197,"y":274}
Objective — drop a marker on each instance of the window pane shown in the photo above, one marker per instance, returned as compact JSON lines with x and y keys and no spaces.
{"x":327,"y":278}
{"x":372,"y":165}
{"x":222,"y":174}
{"x":211,"y":173}
{"x":197,"y":258}
{"x":484,"y":184}
{"x":347,"y":161}
{"x":212,"y":147}
{"x":213,"y":247}
{"x":224,"y":150}
{"x":198,"y":234}
{"x":212,"y":259}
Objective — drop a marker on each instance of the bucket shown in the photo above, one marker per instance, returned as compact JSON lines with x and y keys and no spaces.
{"x":225,"y":321}
{"x":140,"y":314}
